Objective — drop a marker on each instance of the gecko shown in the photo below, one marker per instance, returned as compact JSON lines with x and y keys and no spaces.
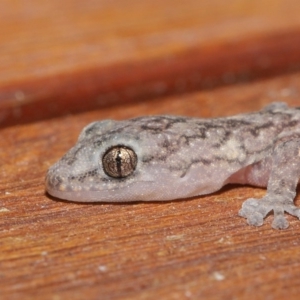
{"x":164,"y":157}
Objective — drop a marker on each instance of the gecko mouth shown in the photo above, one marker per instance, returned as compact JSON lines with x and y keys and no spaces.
{"x":60,"y":187}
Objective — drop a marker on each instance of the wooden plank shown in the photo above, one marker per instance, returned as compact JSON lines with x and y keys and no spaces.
{"x":67,"y":57}
{"x":197,"y":248}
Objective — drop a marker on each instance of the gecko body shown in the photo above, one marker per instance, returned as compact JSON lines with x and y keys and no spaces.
{"x":170,"y":157}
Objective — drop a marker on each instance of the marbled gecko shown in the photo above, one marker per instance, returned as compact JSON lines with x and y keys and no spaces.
{"x":170,"y":157}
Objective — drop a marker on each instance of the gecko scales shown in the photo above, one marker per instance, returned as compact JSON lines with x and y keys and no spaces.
{"x":170,"y":157}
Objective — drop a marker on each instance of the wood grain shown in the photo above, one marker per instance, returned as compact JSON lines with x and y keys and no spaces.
{"x":60,"y":58}
{"x":121,"y":59}
{"x":194,"y":248}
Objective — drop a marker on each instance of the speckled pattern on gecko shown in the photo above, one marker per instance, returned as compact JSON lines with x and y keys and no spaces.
{"x":170,"y":157}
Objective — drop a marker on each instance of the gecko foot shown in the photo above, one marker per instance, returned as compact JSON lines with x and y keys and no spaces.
{"x":255,"y":211}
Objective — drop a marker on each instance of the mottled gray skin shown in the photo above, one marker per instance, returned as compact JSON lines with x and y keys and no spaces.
{"x":181,"y":157}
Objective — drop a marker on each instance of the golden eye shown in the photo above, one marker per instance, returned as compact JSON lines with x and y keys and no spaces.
{"x":119,"y":161}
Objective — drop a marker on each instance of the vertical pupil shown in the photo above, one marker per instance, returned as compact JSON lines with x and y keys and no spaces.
{"x":119,"y":163}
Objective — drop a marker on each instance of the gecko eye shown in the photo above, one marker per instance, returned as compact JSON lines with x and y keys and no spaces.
{"x":119,"y":161}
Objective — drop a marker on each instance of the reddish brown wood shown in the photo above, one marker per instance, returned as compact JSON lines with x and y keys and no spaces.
{"x":54,"y":69}
{"x":195,"y":69}
{"x":196,"y":248}
{"x":197,"y":58}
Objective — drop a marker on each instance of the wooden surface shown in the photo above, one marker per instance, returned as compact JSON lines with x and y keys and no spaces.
{"x":111,"y":59}
{"x":72,"y":56}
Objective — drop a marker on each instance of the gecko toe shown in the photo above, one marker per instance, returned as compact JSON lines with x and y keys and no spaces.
{"x":255,"y":211}
{"x":250,"y":211}
{"x":293,"y":210}
{"x":256,"y":219}
{"x":248,"y":207}
{"x":251,"y":202}
{"x":280,"y":222}
{"x":252,"y":205}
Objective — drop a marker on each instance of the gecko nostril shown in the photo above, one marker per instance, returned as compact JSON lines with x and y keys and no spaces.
{"x":54,"y":181}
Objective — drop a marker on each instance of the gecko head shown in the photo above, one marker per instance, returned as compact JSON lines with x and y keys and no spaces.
{"x":112,"y":162}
